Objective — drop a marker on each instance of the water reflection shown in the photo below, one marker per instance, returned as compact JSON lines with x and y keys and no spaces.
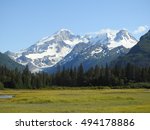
{"x":6,"y":96}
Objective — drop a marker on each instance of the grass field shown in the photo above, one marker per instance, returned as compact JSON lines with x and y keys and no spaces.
{"x":106,"y":100}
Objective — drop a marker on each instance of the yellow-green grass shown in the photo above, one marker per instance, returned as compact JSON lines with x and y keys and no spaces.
{"x":93,"y":101}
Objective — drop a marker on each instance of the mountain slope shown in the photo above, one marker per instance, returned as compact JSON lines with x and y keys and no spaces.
{"x":100,"y":50}
{"x":9,"y":63}
{"x":66,"y":49}
{"x":115,"y":39}
{"x":48,"y":51}
{"x":138,"y":55}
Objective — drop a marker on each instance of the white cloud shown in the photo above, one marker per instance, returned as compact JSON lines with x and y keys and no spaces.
{"x":140,"y":29}
{"x":102,"y":31}
{"x":107,"y":30}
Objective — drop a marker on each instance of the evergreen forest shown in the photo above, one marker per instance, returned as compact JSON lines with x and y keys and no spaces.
{"x":129,"y":76}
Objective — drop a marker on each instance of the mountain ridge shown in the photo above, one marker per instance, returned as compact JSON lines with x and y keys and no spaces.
{"x":139,"y":54}
{"x":9,"y":63}
{"x":52,"y":50}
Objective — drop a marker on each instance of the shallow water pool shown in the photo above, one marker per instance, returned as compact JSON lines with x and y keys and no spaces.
{"x":6,"y":96}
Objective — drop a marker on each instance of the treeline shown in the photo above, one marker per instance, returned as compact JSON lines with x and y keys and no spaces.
{"x":114,"y":77}
{"x":23,"y":80}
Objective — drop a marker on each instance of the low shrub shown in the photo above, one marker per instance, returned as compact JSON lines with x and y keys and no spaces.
{"x":139,"y":85}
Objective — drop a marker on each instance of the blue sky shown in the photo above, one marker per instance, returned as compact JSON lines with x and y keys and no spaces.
{"x":23,"y":22}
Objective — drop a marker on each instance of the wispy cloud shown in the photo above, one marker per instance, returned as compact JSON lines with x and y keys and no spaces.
{"x":102,"y":31}
{"x":140,"y":29}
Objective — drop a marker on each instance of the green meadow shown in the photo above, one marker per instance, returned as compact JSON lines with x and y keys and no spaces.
{"x":76,"y":100}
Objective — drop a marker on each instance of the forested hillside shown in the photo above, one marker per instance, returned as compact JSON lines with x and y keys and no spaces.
{"x":9,"y":63}
{"x":115,"y":77}
{"x":139,"y":55}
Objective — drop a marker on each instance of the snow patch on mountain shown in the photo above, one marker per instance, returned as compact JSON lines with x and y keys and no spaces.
{"x":96,"y":51}
{"x":114,"y":39}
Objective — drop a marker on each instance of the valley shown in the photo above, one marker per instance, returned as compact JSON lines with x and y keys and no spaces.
{"x":76,"y":100}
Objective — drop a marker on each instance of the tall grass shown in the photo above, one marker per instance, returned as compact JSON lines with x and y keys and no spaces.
{"x":85,"y":100}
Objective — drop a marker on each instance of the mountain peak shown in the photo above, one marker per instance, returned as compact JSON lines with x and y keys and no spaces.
{"x":123,"y":31}
{"x":115,"y":38}
{"x":139,"y":54}
{"x":64,"y":34}
{"x":63,"y":31}
{"x":8,"y":52}
{"x":122,"y":34}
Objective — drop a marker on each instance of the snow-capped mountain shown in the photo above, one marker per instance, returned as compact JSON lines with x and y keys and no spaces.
{"x":48,"y":51}
{"x":67,"y":49}
{"x":138,"y":55}
{"x":101,"y":49}
{"x":115,"y":39}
